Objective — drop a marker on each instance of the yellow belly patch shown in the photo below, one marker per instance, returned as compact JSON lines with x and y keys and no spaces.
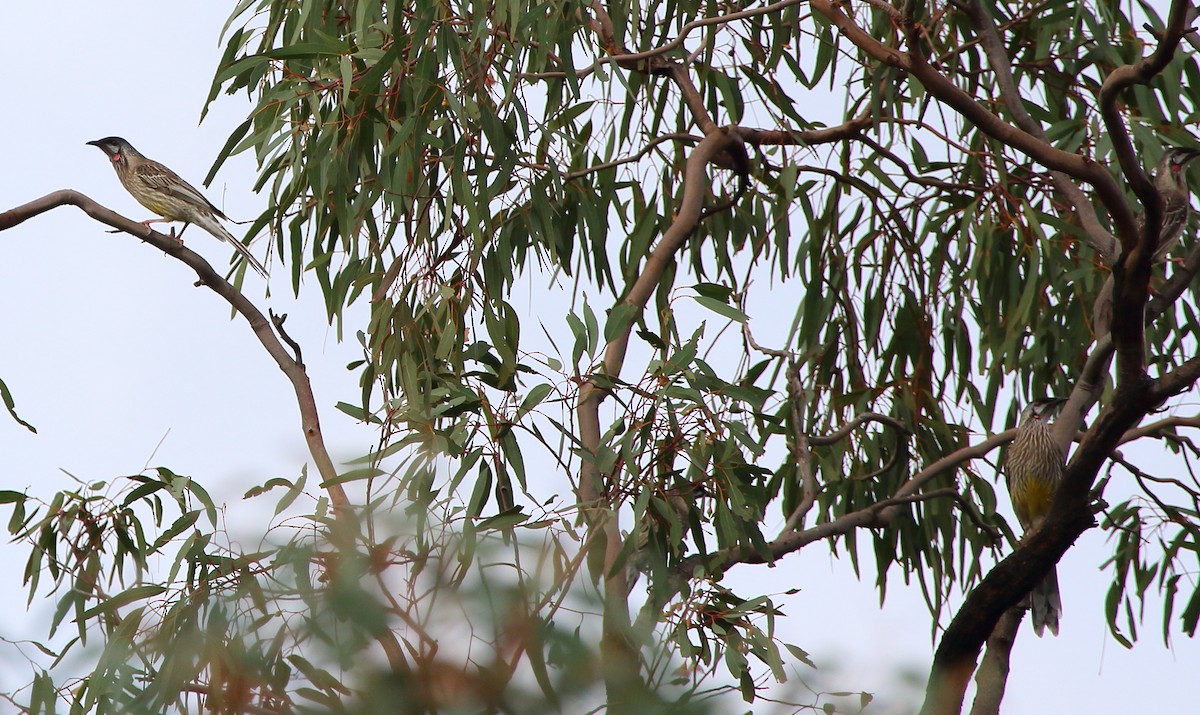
{"x":1034,"y":500}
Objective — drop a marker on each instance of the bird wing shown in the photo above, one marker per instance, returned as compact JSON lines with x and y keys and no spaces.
{"x":160,"y":177}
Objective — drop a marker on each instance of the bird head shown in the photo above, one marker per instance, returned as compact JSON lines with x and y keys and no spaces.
{"x":1041,"y":409}
{"x":115,"y":148}
{"x":1174,"y":162}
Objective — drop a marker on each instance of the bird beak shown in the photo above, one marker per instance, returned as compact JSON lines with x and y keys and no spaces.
{"x":1190,"y":155}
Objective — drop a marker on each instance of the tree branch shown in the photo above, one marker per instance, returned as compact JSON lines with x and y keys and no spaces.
{"x":592,"y":393}
{"x":620,"y":56}
{"x":345,"y":526}
{"x":858,"y":421}
{"x":1100,"y":239}
{"x":992,"y":676}
{"x":938,"y":85}
{"x":1013,"y":578}
{"x":1131,"y":274}
{"x":1118,"y":81}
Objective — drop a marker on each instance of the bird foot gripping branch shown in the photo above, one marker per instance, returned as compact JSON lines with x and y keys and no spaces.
{"x":162,"y":191}
{"x":176,"y":237}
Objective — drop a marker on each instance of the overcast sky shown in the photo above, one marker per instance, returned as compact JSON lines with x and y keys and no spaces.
{"x":121,"y":363}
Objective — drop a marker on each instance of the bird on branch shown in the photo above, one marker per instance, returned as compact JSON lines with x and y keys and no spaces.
{"x":1170,"y":180}
{"x":1033,"y":469}
{"x":162,"y":191}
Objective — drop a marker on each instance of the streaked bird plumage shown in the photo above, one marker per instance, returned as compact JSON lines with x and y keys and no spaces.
{"x":1034,"y":468}
{"x":162,"y":191}
{"x":1170,"y":179}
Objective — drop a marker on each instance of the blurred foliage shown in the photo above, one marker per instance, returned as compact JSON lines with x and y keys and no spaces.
{"x":488,"y":185}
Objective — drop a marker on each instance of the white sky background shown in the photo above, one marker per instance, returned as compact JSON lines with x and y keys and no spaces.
{"x":108,"y":348}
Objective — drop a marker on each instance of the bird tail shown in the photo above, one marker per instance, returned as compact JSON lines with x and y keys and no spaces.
{"x":212,"y":225}
{"x":1045,"y":604}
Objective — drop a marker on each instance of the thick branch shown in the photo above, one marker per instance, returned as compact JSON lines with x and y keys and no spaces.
{"x":1091,"y":378}
{"x":1017,"y":574}
{"x":1131,"y":274}
{"x":618,"y":653}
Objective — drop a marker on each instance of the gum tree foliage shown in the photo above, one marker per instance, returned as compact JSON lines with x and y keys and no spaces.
{"x":650,"y":290}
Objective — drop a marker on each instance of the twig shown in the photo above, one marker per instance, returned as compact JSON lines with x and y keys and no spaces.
{"x":277,"y":320}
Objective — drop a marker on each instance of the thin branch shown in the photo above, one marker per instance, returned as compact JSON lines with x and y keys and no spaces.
{"x":1100,"y":239}
{"x":216,"y":701}
{"x":1158,"y":430}
{"x":764,"y":350}
{"x":1168,"y":513}
{"x":677,"y":136}
{"x":806,"y":137}
{"x":940,"y":87}
{"x":993,"y":671}
{"x":873,"y":516}
{"x":858,"y":421}
{"x":1169,"y":292}
{"x":910,"y":174}
{"x":621,"y":57}
{"x":346,"y":529}
{"x":1188,"y":37}
{"x":810,"y":488}
{"x":278,"y":320}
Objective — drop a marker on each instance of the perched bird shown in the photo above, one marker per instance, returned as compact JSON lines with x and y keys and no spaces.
{"x":162,"y":191}
{"x":1171,"y":182}
{"x":1034,"y":468}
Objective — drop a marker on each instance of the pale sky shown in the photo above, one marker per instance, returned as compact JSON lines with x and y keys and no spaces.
{"x":109,"y":350}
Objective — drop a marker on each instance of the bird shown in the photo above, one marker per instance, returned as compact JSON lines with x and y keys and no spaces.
{"x":1033,"y":469}
{"x":1170,"y":180}
{"x":162,"y":191}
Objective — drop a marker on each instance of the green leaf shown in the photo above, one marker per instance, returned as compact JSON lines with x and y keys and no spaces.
{"x":126,"y":597}
{"x":180,"y":525}
{"x":721,"y":308}
{"x":619,"y":319}
{"x":10,"y":405}
{"x":10,"y":497}
{"x":354,"y":475}
{"x":504,"y":520}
